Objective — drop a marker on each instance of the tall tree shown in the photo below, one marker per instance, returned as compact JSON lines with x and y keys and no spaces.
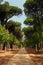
{"x":34,"y":11}
{"x":15,"y":28}
{"x":4,"y":36}
{"x":7,"y":11}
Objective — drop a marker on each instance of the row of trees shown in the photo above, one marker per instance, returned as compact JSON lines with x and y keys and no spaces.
{"x":7,"y":38}
{"x":33,"y":9}
{"x":10,"y":31}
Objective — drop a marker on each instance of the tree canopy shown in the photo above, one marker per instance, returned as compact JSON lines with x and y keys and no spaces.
{"x":7,"y":11}
{"x":15,"y":28}
{"x":34,"y":8}
{"x":4,"y":35}
{"x":34,"y":11}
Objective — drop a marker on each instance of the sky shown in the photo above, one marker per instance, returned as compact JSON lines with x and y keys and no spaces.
{"x":18,"y":3}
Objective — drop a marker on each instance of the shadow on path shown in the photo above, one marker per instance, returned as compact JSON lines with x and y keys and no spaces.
{"x":21,"y":58}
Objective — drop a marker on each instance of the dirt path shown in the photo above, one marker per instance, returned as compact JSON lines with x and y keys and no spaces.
{"x":21,"y":58}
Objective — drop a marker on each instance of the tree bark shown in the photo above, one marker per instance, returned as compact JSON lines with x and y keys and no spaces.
{"x":11,"y":46}
{"x":4,"y":46}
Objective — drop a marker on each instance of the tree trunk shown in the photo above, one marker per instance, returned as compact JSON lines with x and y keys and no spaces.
{"x":4,"y":46}
{"x":11,"y":46}
{"x":41,"y":44}
{"x":8,"y":46}
{"x":36,"y":47}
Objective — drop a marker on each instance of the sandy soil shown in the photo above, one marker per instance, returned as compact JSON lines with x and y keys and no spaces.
{"x":36,"y":57}
{"x":6,"y":55}
{"x":21,"y":58}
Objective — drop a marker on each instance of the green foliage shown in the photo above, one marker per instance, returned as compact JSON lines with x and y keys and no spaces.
{"x":33,"y":10}
{"x":17,"y":42}
{"x":4,"y":35}
{"x":36,"y":38}
{"x":29,"y":21}
{"x":28,"y":30}
{"x":7,"y":11}
{"x":42,"y":35}
{"x":32,"y":6}
{"x":15,"y":28}
{"x":11,"y":38}
{"x":12,"y":23}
